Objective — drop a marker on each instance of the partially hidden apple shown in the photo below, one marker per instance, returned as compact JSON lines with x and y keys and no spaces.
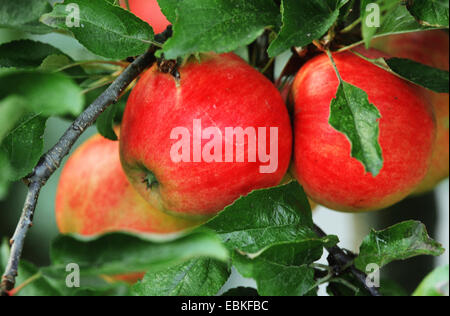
{"x":430,"y":48}
{"x":322,"y":155}
{"x":234,"y":126}
{"x":149,"y":11}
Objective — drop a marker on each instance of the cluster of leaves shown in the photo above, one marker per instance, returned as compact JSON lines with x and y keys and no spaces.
{"x":274,"y":241}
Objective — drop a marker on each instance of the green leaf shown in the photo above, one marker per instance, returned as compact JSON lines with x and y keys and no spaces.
{"x":44,"y":57}
{"x":52,"y":281}
{"x":397,"y":21}
{"x":218,"y":25}
{"x":399,"y":242}
{"x":303,"y":22}
{"x":430,"y":12}
{"x":367,"y":31}
{"x":196,"y":277}
{"x":54,"y":62}
{"x":35,"y":27}
{"x":121,"y":253}
{"x":105,"y":122}
{"x":168,"y":8}
{"x":114,"y":289}
{"x":367,"y":11}
{"x":11,"y":110}
{"x":290,"y":261}
{"x":284,"y":269}
{"x":21,"y":12}
{"x":104,"y":29}
{"x":24,"y":145}
{"x":391,"y":288}
{"x":4,"y":254}
{"x":352,"y":114}
{"x":45,"y":93}
{"x":5,"y":175}
{"x":266,"y":217}
{"x":25,"y":53}
{"x":435,"y":284}
{"x":39,"y":287}
{"x":57,"y":278}
{"x":376,"y":14}
{"x":275,"y":279}
{"x":39,"y":283}
{"x":423,"y":75}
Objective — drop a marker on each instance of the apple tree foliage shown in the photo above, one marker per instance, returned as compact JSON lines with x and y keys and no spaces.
{"x":269,"y":235}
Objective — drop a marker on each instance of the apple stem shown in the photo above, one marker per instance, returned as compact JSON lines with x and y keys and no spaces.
{"x":150,"y":180}
{"x":350,"y":27}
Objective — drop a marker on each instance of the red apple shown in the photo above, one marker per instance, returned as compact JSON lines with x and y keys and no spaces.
{"x":95,"y":197}
{"x":148,"y":11}
{"x":322,"y":155}
{"x":222,"y":92}
{"x":430,"y":48}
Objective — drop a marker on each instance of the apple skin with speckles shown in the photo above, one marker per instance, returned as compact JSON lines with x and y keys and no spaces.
{"x":222,"y":91}
{"x":322,"y":155}
{"x":430,"y":48}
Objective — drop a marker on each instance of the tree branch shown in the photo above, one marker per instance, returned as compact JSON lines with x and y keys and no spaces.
{"x":343,"y":261}
{"x":51,"y":161}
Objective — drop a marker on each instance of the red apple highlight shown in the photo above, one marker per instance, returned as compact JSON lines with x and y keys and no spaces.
{"x":219,"y":93}
{"x":148,"y":11}
{"x":322,"y":155}
{"x":430,"y":48}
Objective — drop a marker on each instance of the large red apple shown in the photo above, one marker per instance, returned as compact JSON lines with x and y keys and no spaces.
{"x":95,"y":197}
{"x":430,"y":48}
{"x":220,"y":93}
{"x":322,"y":156}
{"x":149,"y":11}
